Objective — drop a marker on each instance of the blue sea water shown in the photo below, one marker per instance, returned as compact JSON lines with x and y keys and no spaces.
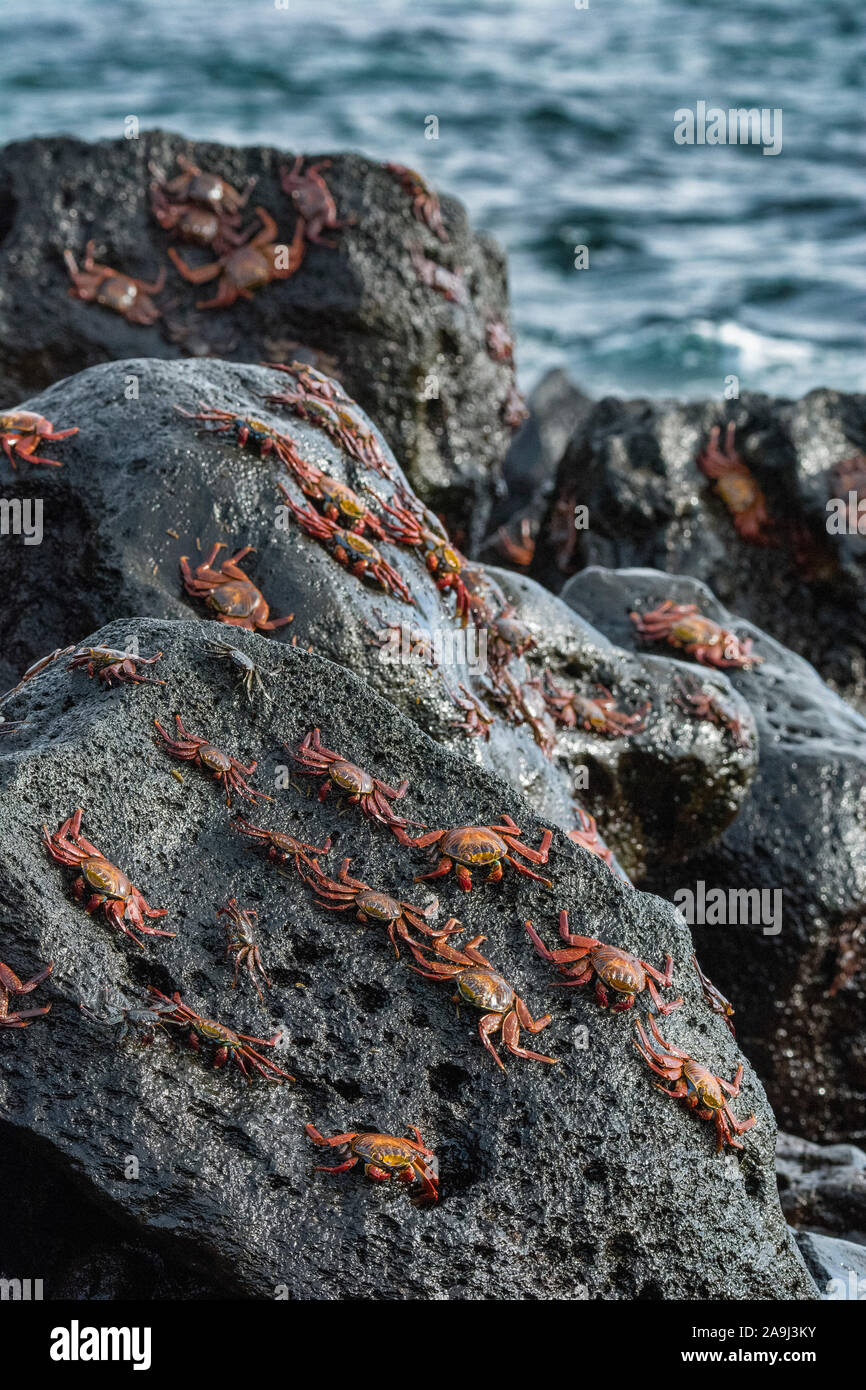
{"x":556,"y":129}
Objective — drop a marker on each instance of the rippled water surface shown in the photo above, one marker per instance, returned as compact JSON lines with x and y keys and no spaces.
{"x":556,"y":129}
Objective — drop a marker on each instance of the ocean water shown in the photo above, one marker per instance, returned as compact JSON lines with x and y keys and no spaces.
{"x":555,"y":127}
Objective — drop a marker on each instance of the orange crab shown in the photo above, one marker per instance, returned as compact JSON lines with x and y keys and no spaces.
{"x":344,"y":892}
{"x":735,"y":484}
{"x":282,"y":847}
{"x":484,"y":988}
{"x":108,"y":886}
{"x":421,"y":530}
{"x":597,"y":716}
{"x":21,"y":433}
{"x":224,"y":766}
{"x":227,"y":590}
{"x":682,"y":626}
{"x":244,"y":269}
{"x":701,"y":1089}
{"x":613,"y":967}
{"x":112,"y":666}
{"x":339,"y":504}
{"x":112,"y":289}
{"x":425,"y":203}
{"x":10,"y":985}
{"x":384,"y":1156}
{"x":467,"y":847}
{"x":370,"y":794}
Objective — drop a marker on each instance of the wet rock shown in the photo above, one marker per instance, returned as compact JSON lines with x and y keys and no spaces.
{"x":139,"y":488}
{"x":823,"y":1186}
{"x":837,"y":1266}
{"x":417,"y":361}
{"x":193,"y":1157}
{"x":799,"y":837}
{"x":633,"y":464}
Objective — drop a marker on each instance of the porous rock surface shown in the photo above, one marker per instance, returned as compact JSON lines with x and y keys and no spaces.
{"x":415,"y":360}
{"x":139,"y":487}
{"x":572,"y":1181}
{"x":634,"y":465}
{"x":801,"y":829}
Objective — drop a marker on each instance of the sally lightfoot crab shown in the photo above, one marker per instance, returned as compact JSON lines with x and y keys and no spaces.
{"x":224,"y":766}
{"x":113,"y":666}
{"x":10,"y":987}
{"x":250,"y":678}
{"x":598,"y":715}
{"x":101,"y":883}
{"x":312,"y":200}
{"x":714,"y":997}
{"x":112,"y":289}
{"x":682,"y":626}
{"x":484,"y":988}
{"x":370,"y":794}
{"x":384,"y":1156}
{"x":250,"y":433}
{"x":425,"y":203}
{"x":344,"y":892}
{"x":613,"y":967}
{"x":244,"y":269}
{"x":468,"y":847}
{"x":737,"y":487}
{"x":282,"y":847}
{"x":225,"y":1042}
{"x":227,"y":590}
{"x":21,"y":433}
{"x":353,"y":552}
{"x":701,"y":1090}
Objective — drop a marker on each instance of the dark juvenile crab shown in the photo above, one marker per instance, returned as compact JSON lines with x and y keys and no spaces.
{"x":227,"y":590}
{"x":344,"y":892}
{"x":714,"y":997}
{"x":226,"y":768}
{"x":112,"y":289}
{"x":339,"y":504}
{"x":312,"y":200}
{"x":586,"y":834}
{"x":522,"y":703}
{"x":613,"y":967}
{"x":704,"y":704}
{"x":113,"y":666}
{"x":484,"y":988}
{"x":10,"y":987}
{"x":683,"y":627}
{"x":359,"y":556}
{"x":113,"y":1008}
{"x":101,"y":883}
{"x":246,"y":268}
{"x":468,"y":847}
{"x":384,"y":1156}
{"x":252,"y":433}
{"x":449,"y":283}
{"x":735,"y":484}
{"x":597,"y":716}
{"x":282,"y":847}
{"x":225,"y":1041}
{"x":425,"y":203}
{"x":250,"y":679}
{"x":21,"y":433}
{"x":476,"y":719}
{"x":700,"y":1089}
{"x":371,"y":795}
{"x":241,"y":944}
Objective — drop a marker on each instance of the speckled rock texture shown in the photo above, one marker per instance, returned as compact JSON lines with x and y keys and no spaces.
{"x":418,"y":362}
{"x":801,"y":831}
{"x":139,"y":487}
{"x":533,"y":1162}
{"x":633,"y":464}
